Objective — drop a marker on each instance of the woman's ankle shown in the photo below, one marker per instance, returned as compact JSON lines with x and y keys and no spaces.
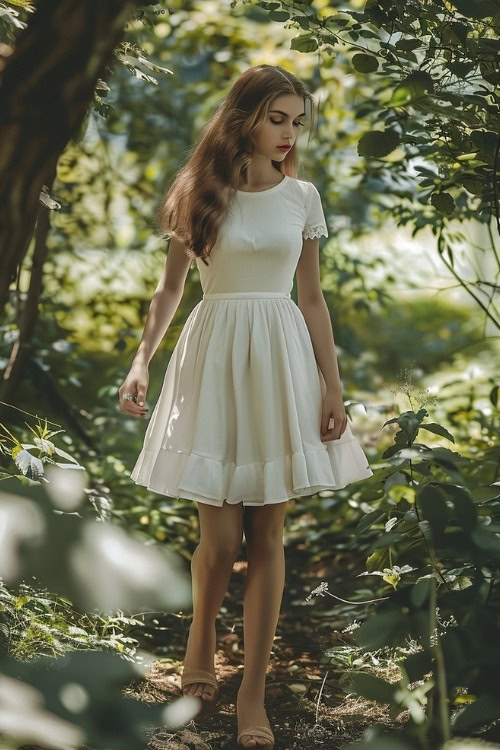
{"x":202,"y":630}
{"x":253,"y":693}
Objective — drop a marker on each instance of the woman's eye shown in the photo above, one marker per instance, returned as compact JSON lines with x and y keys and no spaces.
{"x":279,"y":122}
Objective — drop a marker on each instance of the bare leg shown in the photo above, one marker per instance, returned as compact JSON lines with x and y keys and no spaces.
{"x":221,"y":532}
{"x":262,"y":601}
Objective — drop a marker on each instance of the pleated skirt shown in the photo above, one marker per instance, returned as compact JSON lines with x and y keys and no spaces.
{"x":238,"y":417}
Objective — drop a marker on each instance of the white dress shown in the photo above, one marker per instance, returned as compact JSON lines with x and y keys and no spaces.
{"x":239,"y":413}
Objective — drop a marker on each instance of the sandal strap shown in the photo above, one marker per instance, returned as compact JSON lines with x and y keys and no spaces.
{"x":258,"y":731}
{"x":191,"y":675}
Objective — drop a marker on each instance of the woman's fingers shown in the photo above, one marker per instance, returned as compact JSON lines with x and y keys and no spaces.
{"x":131,"y":408}
{"x":141,"y":393}
{"x":336,"y":431}
{"x":131,"y":405}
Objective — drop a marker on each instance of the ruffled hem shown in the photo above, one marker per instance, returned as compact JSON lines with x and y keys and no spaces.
{"x":310,"y":232}
{"x":195,"y":477}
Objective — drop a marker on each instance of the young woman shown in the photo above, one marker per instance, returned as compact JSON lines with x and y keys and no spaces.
{"x":244,"y":419}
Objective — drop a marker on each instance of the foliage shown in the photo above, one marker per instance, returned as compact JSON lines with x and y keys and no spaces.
{"x":35,"y":622}
{"x":429,"y":127}
{"x":438,"y":515}
{"x":375,"y":344}
{"x":77,"y":700}
{"x":12,"y":15}
{"x":70,"y":553}
{"x":427,"y":70}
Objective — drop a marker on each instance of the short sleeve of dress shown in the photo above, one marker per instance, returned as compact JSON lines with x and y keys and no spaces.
{"x":315,"y":224}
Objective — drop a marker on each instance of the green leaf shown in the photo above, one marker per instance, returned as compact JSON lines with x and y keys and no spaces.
{"x":465,"y":510}
{"x":31,"y":466}
{"x":456,"y":32}
{"x":382,"y":630}
{"x":415,"y":86}
{"x":20,"y":601}
{"x":365,"y":63}
{"x":443,"y":202}
{"x":438,"y":429}
{"x":474,"y":187}
{"x":394,"y":420}
{"x":494,"y":395}
{"x":425,"y":528}
{"x":386,"y":540}
{"x":484,"y":140}
{"x":400,"y":492}
{"x":304,"y":43}
{"x":420,"y":592}
{"x":374,"y":688}
{"x":279,"y":15}
{"x":433,"y":507}
{"x":377,"y":560}
{"x":489,"y":71}
{"x":408,"y":44}
{"x":483,"y":494}
{"x":417,"y":665}
{"x":411,"y":421}
{"x":479,"y":9}
{"x":378,"y":143}
{"x":397,"y":477}
{"x":489,"y":45}
{"x":461,"y":582}
{"x":20,"y":3}
{"x":398,"y":445}
{"x":63,"y":454}
{"x":460,"y":69}
{"x":427,"y":104}
{"x":484,"y":710}
{"x":374,"y":517}
{"x":486,"y":540}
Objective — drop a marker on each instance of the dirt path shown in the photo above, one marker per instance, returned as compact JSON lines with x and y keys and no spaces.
{"x":303,"y":712}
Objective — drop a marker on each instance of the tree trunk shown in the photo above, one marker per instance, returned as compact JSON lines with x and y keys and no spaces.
{"x":46,"y":88}
{"x":28,"y":314}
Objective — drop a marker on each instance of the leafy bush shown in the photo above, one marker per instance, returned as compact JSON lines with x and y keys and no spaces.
{"x":438,"y":516}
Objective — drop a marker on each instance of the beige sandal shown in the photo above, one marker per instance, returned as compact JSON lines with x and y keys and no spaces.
{"x":191,"y":675}
{"x":258,"y":731}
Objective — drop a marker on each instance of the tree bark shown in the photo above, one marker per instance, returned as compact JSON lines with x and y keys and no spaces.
{"x":28,"y":313}
{"x":46,"y":87}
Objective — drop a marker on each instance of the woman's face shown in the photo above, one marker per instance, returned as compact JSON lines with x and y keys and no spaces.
{"x":282,"y":125}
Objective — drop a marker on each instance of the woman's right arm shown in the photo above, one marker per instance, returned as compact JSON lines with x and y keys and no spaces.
{"x":164,"y":304}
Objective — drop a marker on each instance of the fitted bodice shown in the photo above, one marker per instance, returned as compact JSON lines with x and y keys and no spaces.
{"x":260,"y":241}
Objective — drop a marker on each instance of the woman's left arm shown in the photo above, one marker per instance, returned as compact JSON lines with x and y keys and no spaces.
{"x":313,"y":306}
{"x":317,"y":317}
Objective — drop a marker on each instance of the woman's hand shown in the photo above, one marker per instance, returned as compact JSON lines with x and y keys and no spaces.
{"x":333,"y":408}
{"x":135,"y":383}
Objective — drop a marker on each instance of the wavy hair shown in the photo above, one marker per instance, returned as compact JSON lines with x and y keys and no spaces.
{"x":197,"y":201}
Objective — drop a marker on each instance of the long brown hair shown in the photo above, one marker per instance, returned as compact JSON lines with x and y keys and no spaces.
{"x":197,"y":201}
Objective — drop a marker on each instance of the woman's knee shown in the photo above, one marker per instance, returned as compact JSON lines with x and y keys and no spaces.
{"x":221,"y":532}
{"x":264,"y":527}
{"x":264,"y":545}
{"x":219,"y":551}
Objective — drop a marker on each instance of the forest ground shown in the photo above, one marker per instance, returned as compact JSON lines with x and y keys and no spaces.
{"x":301,"y":714}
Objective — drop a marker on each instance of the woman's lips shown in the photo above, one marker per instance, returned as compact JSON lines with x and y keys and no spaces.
{"x":285,"y":148}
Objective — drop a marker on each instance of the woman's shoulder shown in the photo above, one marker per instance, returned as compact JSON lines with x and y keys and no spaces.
{"x":302,"y":188}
